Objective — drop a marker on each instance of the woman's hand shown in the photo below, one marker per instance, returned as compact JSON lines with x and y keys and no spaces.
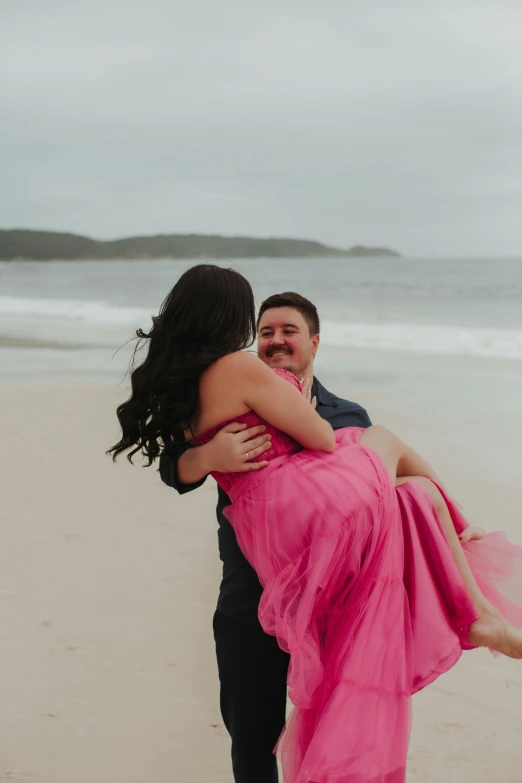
{"x":307,"y":392}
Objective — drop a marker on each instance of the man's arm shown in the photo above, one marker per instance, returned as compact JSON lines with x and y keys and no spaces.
{"x":169,"y":469}
{"x":365,"y":420}
{"x":231,"y":450}
{"x":345,"y":414}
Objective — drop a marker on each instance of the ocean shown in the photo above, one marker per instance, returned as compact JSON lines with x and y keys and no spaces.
{"x":432,"y":350}
{"x":69,"y":318}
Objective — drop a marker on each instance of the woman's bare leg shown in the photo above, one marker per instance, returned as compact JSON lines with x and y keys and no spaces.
{"x":403,"y":463}
{"x":452,"y":538}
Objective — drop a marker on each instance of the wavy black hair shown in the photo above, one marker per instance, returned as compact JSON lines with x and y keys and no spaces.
{"x":209,"y":313}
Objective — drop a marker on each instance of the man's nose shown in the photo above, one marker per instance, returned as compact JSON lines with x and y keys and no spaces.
{"x":278,"y":339}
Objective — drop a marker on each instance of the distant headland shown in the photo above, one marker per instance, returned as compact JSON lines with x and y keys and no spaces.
{"x":22,"y":244}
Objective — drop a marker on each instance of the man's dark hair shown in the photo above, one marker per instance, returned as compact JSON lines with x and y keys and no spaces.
{"x":298,"y":302}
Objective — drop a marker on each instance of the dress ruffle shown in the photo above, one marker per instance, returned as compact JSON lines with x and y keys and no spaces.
{"x":361,"y":589}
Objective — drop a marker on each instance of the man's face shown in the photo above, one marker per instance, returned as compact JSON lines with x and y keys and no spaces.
{"x":284,"y":340}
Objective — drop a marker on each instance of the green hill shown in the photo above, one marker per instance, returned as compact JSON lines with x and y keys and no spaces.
{"x":20,"y":244}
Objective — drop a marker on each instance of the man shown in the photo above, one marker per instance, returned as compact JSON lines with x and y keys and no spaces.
{"x":252,"y":668}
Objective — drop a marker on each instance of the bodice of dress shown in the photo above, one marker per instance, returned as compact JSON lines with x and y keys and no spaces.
{"x":281,"y":442}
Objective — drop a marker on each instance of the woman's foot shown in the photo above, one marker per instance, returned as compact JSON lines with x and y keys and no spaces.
{"x":472,"y":533}
{"x":493,"y":631}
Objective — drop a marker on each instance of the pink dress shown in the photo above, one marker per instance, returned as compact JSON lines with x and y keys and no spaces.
{"x":360,"y":587}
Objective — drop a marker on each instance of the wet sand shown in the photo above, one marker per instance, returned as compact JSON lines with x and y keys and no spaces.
{"x":108,"y":582}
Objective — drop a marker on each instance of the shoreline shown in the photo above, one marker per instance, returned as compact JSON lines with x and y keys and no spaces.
{"x":13,"y":341}
{"x":336,"y":361}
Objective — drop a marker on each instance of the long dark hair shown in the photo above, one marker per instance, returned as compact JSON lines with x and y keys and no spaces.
{"x":209,"y":313}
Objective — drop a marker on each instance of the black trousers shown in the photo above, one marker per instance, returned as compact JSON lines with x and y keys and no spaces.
{"x":252,"y":673}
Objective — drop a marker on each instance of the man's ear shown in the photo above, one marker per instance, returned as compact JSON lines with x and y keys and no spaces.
{"x":315,"y":343}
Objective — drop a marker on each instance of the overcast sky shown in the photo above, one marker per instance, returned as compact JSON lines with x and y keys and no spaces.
{"x":386,"y":122}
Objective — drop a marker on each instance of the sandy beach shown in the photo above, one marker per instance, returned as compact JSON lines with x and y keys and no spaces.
{"x":109,"y":580}
{"x":362,"y":155}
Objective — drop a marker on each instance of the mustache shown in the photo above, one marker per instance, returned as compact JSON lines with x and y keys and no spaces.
{"x":271,"y":351}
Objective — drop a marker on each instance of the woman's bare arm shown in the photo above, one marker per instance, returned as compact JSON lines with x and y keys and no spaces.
{"x":279,"y":403}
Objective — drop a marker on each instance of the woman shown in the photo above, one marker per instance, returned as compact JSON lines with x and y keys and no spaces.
{"x":370,"y":590}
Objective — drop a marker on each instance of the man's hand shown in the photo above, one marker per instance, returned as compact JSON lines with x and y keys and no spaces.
{"x":234,"y":447}
{"x":230,"y":451}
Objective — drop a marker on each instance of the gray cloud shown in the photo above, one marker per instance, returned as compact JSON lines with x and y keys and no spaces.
{"x":397,"y":124}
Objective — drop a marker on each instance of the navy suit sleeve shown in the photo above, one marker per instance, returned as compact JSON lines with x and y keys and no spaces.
{"x":345,"y":414}
{"x":364,"y":418}
{"x":168,"y":469}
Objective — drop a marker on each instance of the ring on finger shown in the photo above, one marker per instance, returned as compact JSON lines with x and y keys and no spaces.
{"x":246,"y":455}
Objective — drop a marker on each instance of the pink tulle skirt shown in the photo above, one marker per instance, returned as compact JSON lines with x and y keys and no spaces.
{"x":361,"y":589}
